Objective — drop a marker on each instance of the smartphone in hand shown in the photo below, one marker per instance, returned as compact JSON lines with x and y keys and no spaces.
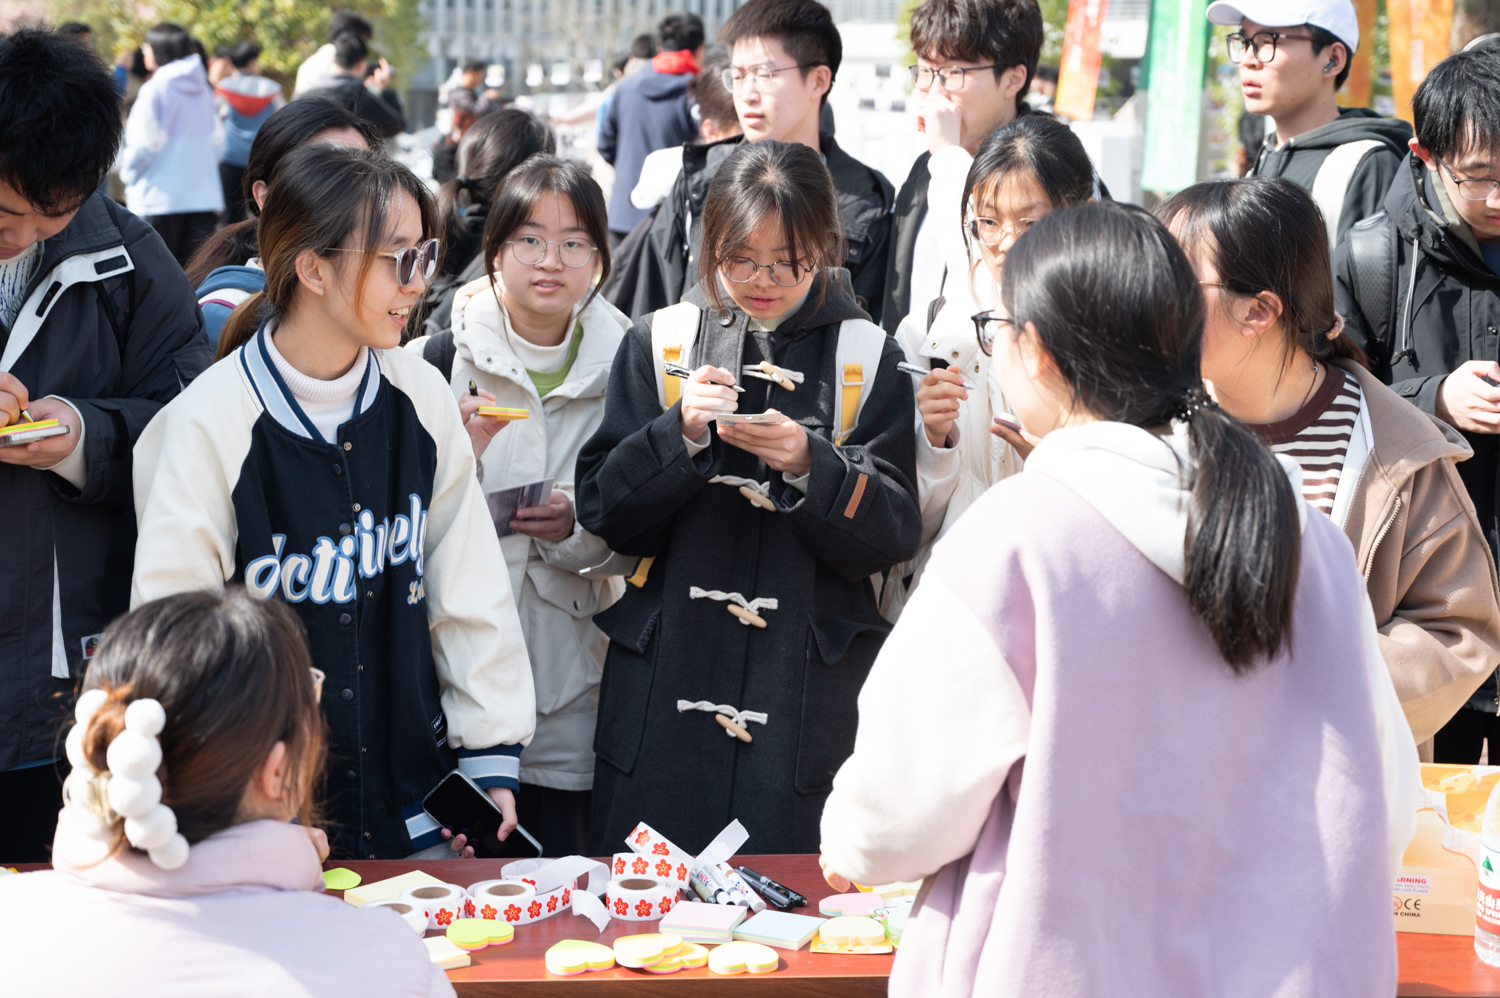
{"x":458,"y":804}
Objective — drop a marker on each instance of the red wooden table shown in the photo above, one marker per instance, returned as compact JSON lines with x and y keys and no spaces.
{"x":1429,"y":965}
{"x":517,"y":970}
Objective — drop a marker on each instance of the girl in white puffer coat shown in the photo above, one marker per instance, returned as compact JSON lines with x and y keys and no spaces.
{"x":982,"y":203}
{"x":534,"y":335}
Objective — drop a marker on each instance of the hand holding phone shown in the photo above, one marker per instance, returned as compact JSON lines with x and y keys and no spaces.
{"x":475,"y":823}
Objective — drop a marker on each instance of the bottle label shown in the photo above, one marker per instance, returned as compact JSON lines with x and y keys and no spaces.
{"x":1487,"y":916}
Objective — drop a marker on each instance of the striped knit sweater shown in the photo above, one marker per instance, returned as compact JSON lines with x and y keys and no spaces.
{"x":1317,"y":436}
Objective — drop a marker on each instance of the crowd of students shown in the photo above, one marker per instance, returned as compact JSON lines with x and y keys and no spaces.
{"x":790,"y":569}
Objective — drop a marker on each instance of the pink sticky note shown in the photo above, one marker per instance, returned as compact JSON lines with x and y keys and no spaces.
{"x":861,"y":904}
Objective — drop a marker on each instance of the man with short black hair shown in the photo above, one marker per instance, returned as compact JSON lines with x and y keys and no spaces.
{"x":98,"y":330}
{"x":784,"y":55}
{"x":364,"y":91}
{"x":650,"y":110}
{"x":317,"y":70}
{"x":1293,"y":57}
{"x":975,"y":62}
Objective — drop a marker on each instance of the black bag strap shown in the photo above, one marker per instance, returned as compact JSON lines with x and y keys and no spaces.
{"x":933,"y":308}
{"x":119,"y":323}
{"x":1373,"y":277}
{"x":439,"y":351}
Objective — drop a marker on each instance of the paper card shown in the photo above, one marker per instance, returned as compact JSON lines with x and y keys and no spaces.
{"x":389,"y":890}
{"x":504,"y":503}
{"x":446,"y":955}
{"x":780,"y":929}
{"x":754,"y":418}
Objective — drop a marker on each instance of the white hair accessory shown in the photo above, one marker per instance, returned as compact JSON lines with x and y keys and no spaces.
{"x":130,"y":789}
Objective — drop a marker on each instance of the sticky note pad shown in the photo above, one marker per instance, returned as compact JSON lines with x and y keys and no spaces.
{"x":389,"y":890}
{"x":780,"y":929}
{"x":697,"y":922}
{"x":863,"y":903}
{"x":443,"y":953}
{"x":503,"y":413}
{"x":340,"y":879}
{"x":40,"y":424}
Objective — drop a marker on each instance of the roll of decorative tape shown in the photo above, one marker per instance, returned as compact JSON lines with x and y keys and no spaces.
{"x":639,"y":899}
{"x":674,"y":869}
{"x":442,"y":902}
{"x":410,"y":914}
{"x":517,"y":901}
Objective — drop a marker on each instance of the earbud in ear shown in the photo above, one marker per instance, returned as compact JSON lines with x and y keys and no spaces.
{"x":1331,"y":64}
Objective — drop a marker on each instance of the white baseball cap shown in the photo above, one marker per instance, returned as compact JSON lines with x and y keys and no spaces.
{"x":1336,"y":17}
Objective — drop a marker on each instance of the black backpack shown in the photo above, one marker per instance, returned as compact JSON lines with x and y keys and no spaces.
{"x":1373,"y":281}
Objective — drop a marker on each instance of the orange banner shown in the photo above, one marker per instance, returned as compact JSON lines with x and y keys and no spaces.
{"x":1078,"y":77}
{"x":1419,"y":40}
{"x":1356,"y":90}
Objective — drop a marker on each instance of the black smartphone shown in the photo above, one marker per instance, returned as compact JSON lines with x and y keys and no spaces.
{"x":457,"y":803}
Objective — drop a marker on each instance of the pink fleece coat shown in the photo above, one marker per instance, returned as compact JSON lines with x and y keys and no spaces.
{"x":243,"y":916}
{"x":1178,"y":830}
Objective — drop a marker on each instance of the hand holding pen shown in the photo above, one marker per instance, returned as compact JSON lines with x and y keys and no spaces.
{"x":938,"y":395}
{"x":705,"y":392}
{"x":481,"y":431}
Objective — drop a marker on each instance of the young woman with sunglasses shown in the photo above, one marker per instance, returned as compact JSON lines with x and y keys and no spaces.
{"x":535,"y":335}
{"x":738,"y":650}
{"x":1022,"y":172}
{"x":320,"y":464}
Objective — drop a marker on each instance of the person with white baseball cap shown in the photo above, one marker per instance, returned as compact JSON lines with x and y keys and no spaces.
{"x":1294,"y":56}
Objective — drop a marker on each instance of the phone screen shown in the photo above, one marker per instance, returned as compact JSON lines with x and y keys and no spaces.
{"x":461,"y":806}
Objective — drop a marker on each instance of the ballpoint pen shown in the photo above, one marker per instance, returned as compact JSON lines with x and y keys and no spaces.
{"x":678,"y":371}
{"x":908,"y":368}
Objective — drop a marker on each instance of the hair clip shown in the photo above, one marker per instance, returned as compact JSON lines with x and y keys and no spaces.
{"x":1338,"y":327}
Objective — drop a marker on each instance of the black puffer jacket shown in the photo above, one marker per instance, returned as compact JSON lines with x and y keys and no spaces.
{"x":1444,"y":311}
{"x":111,"y":324}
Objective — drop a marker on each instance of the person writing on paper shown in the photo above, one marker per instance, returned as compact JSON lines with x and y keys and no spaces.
{"x":1043,"y":736}
{"x":1275,"y":355}
{"x":1022,"y":172}
{"x":743,"y":637}
{"x":187,"y":858}
{"x":535,"y":335}
{"x":319,"y":464}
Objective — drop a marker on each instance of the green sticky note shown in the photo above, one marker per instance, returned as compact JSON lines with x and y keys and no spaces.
{"x":340,"y":879}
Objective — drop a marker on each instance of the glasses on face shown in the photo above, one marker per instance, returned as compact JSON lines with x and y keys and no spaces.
{"x":764,"y":76}
{"x":575,"y":254}
{"x":1473,"y":188}
{"x":1262,"y":44}
{"x":952,"y":76}
{"x":741,"y":270}
{"x":992,"y":232}
{"x":424,"y":254}
{"x":985,"y":325}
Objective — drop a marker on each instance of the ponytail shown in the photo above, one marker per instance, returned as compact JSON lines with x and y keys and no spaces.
{"x":241,"y":325}
{"x":1116,"y":305}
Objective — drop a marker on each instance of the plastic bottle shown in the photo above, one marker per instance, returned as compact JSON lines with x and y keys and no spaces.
{"x":1487,"y":913}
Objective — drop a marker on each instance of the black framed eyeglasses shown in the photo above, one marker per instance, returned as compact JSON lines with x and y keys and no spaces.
{"x":1262,"y":44}
{"x":952,"y":76}
{"x":764,"y":76}
{"x":1471,"y":188}
{"x":985,"y":324}
{"x":741,"y":270}
{"x":408,"y":259}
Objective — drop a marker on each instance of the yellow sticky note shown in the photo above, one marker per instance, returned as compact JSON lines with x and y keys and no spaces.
{"x":443,"y":953}
{"x":503,"y":413}
{"x":388,"y":890}
{"x":340,"y":879}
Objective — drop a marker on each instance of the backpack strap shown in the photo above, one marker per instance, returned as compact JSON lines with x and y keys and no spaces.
{"x":673,"y":332}
{"x":1332,"y":181}
{"x":856,"y":359}
{"x":119,"y":323}
{"x":439,"y":351}
{"x":933,"y":308}
{"x":1373,"y":278}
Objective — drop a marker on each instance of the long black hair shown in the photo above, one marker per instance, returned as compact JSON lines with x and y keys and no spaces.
{"x":1116,"y":304}
{"x":493,"y":146}
{"x":1266,"y":234}
{"x":288,"y":128}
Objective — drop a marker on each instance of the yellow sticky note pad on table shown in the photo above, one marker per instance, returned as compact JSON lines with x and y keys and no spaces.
{"x":388,"y":890}
{"x":503,"y":413}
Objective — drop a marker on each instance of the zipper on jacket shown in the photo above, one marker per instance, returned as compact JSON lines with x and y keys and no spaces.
{"x":1389,"y":523}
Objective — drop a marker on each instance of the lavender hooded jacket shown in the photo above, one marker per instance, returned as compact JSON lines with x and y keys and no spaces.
{"x":243,"y":916}
{"x":173,"y":142}
{"x":1099,"y":804}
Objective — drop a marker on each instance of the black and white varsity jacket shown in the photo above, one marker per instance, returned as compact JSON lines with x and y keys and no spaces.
{"x":382,"y":542}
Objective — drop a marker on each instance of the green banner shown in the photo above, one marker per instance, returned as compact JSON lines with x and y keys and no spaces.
{"x":1174,"y":103}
